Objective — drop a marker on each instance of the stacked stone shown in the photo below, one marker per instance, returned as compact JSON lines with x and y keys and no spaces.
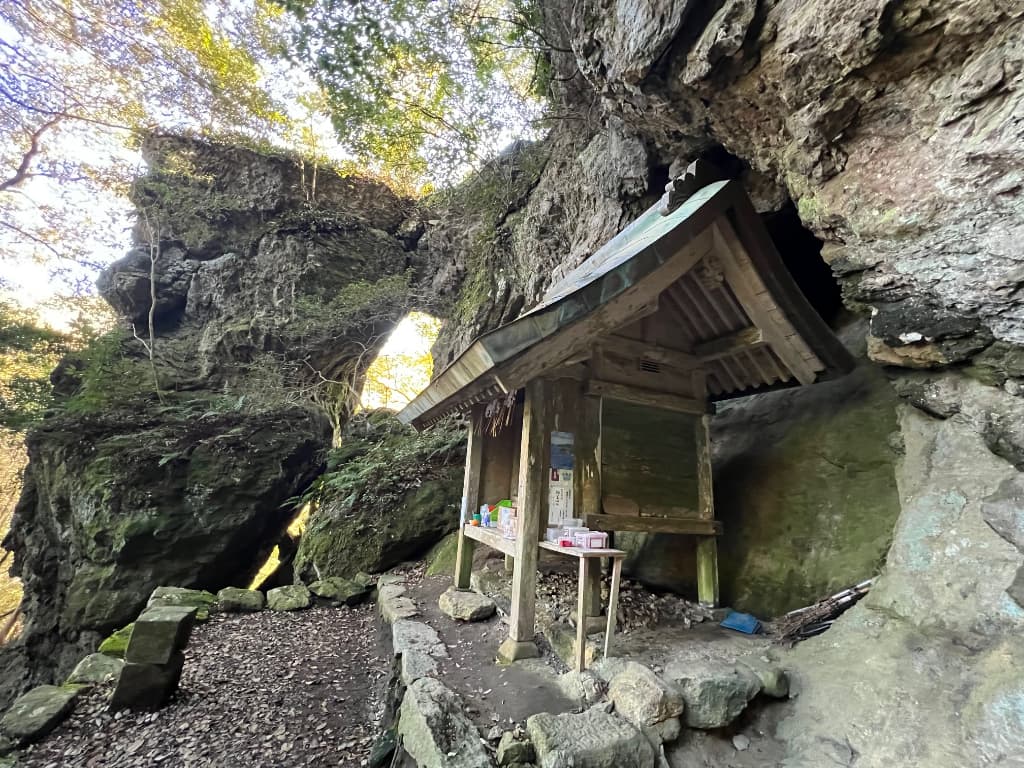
{"x":154,"y":659}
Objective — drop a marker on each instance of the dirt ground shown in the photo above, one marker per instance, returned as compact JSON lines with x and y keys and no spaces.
{"x":507,"y":695}
{"x":264,"y":689}
{"x":494,"y":694}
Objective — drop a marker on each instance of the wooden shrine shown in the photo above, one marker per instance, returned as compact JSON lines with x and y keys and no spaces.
{"x":623,"y":361}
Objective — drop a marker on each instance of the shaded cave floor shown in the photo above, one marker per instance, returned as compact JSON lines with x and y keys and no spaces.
{"x":265,"y":689}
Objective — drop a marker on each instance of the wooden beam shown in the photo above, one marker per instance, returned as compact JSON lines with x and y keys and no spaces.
{"x":678,"y":525}
{"x":588,"y":481}
{"x":757,"y":302}
{"x":626,"y":393}
{"x":534,"y":459}
{"x":634,"y":349}
{"x":707,"y":571}
{"x":471,"y":482}
{"x":705,"y":485}
{"x":729,"y":344}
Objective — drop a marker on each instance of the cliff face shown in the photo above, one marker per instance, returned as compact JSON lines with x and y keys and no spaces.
{"x":895,"y":132}
{"x":890,"y":131}
{"x":274,"y":285}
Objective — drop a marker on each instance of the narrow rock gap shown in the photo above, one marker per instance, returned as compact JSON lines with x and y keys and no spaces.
{"x":801,"y":253}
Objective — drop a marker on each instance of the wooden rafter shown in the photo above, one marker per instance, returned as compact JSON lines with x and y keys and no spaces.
{"x":729,"y":344}
{"x":757,"y":302}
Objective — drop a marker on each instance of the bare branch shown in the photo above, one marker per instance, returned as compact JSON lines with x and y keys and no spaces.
{"x":23,"y":172}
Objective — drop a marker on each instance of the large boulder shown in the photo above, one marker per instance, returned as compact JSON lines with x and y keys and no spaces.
{"x":389,"y":494}
{"x":174,"y":469}
{"x":120,"y":503}
{"x":591,"y":739}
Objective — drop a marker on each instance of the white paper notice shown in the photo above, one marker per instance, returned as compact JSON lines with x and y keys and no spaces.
{"x":560,"y":506}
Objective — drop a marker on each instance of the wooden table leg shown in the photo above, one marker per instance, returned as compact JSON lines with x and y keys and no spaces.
{"x":581,"y":618}
{"x":613,"y":604}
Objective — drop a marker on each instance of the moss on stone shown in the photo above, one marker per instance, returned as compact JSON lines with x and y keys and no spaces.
{"x":389,"y":494}
{"x":441,"y":559}
{"x":117,"y":644}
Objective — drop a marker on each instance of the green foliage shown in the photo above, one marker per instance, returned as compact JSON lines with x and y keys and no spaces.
{"x":381,"y":459}
{"x":28,"y":352}
{"x":424,"y":87}
{"x":107,"y":376}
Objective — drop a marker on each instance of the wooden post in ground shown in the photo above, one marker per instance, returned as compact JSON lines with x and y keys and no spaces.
{"x":707,"y":546}
{"x":470,"y":498}
{"x":588,"y":469}
{"x":535,"y":453}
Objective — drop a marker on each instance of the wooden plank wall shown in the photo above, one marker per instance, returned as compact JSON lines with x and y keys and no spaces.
{"x":649,"y":456}
{"x":500,"y":470}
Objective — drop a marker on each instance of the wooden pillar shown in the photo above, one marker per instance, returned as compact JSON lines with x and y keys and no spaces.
{"x":470,"y":498}
{"x":533,"y":486}
{"x":588,"y":468}
{"x":707,"y":546}
{"x":707,"y":571}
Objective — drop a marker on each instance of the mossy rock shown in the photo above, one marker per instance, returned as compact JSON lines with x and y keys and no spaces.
{"x":294,"y":597}
{"x":34,"y":714}
{"x":441,"y":559}
{"x":117,"y":644}
{"x":340,"y":591}
{"x":95,"y":669}
{"x":390,"y":494}
{"x":236,"y":600}
{"x":199,"y":599}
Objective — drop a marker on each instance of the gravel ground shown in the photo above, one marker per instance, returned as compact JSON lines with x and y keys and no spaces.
{"x":266,"y":689}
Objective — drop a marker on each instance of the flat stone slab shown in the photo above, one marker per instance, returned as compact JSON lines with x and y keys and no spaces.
{"x":199,"y":599}
{"x":159,"y":633}
{"x":591,"y":739}
{"x":37,"y":712}
{"x":294,"y":597}
{"x":237,"y":600}
{"x":715,"y":693}
{"x":394,"y":605}
{"x":434,"y":730}
{"x":95,"y":669}
{"x":464,"y":605}
{"x":419,"y":647}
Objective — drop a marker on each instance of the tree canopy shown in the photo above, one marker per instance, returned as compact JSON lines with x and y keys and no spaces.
{"x":422,"y":87}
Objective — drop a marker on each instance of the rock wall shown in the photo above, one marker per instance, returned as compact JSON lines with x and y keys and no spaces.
{"x":894,"y":130}
{"x":388,"y":495}
{"x":274,"y":285}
